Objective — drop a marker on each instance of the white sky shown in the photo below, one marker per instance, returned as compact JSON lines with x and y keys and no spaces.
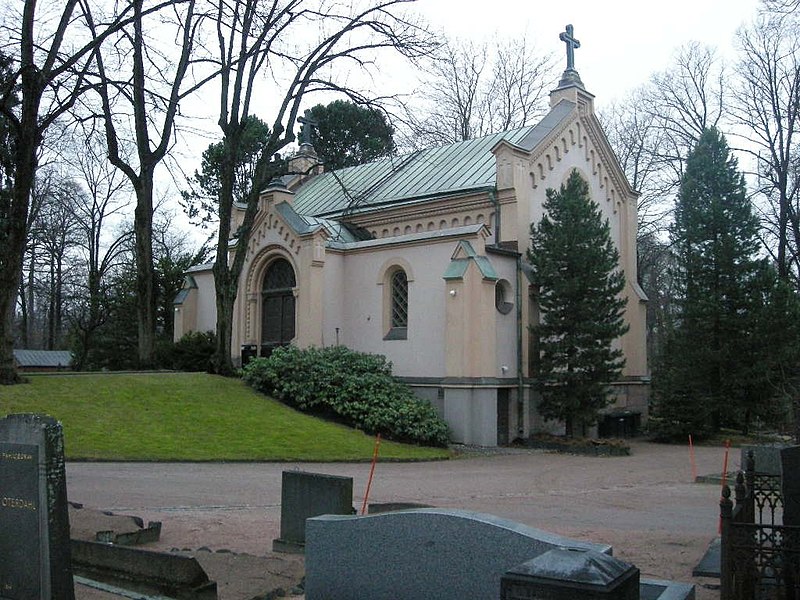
{"x":622,"y":41}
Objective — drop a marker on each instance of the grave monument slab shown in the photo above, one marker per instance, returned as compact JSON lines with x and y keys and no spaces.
{"x":305,"y":495}
{"x":767,"y":457}
{"x":426,"y":553}
{"x":790,"y":480}
{"x":568,"y":573}
{"x":34,"y":516}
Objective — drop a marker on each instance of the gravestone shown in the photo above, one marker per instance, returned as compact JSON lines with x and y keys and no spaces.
{"x":567,"y":573}
{"x":143,"y":573}
{"x":426,"y":553}
{"x":790,"y":480}
{"x":305,"y":495}
{"x":767,"y":458}
{"x":34,"y":519}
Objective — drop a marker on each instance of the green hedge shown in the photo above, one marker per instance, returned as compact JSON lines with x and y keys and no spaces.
{"x":192,"y":352}
{"x":354,"y":387}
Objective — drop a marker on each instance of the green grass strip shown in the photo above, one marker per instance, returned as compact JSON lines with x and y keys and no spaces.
{"x":188,"y":417}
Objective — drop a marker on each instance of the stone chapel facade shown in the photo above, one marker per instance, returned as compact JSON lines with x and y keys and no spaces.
{"x":421,"y":258}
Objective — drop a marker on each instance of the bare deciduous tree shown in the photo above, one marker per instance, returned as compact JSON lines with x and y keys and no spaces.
{"x":685,"y":100}
{"x":781,"y":6}
{"x":100,"y":245}
{"x":652,"y":132}
{"x":469,"y":91}
{"x":301,"y":43}
{"x":151,"y":91}
{"x":766,"y":104}
{"x":52,"y":53}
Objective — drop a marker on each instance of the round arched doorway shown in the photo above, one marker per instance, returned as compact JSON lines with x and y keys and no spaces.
{"x":277,"y":306}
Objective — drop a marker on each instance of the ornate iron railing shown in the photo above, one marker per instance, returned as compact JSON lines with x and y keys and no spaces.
{"x":759,"y":559}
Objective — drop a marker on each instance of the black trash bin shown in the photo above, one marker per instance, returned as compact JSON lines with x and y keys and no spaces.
{"x":249,"y":352}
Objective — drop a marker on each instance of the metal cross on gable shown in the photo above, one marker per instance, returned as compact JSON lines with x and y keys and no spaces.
{"x":568,"y":37}
{"x":307,"y":123}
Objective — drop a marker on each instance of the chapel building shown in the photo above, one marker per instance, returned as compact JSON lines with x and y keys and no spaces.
{"x":421,"y":258}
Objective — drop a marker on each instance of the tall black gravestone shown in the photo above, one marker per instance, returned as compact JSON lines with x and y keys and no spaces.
{"x":305,"y":495}
{"x":790,"y":477}
{"x":34,"y":519}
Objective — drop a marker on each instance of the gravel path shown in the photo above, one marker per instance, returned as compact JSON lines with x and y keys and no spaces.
{"x":645,"y":505}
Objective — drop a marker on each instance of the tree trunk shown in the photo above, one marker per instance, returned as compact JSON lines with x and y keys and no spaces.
{"x":30,"y":299}
{"x":222,"y":361}
{"x":51,"y":308}
{"x":16,"y":224}
{"x":59,"y":304}
{"x":23,"y":317}
{"x":226,"y":279}
{"x":145,"y":279}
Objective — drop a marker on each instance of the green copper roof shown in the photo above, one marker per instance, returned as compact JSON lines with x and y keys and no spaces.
{"x":431,"y":173}
{"x":304,"y":224}
{"x":419,"y":176}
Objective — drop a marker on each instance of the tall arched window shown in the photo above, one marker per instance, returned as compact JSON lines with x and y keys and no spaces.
{"x":398,"y":305}
{"x":277,"y":306}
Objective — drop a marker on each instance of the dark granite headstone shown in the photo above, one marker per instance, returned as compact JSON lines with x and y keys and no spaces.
{"x":305,"y":495}
{"x":438,"y":553}
{"x":767,"y":457}
{"x":34,"y":519}
{"x":790,"y":477}
{"x":568,"y":573}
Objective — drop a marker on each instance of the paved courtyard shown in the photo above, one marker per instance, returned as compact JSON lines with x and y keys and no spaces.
{"x":645,"y":505}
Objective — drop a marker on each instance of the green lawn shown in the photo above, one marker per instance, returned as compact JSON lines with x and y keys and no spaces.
{"x":188,"y":417}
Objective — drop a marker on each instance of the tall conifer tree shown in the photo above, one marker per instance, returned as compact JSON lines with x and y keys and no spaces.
{"x":704,"y":379}
{"x":576,"y":270}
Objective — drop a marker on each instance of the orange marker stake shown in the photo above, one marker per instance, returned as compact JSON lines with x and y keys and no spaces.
{"x":724,"y":477}
{"x":371,"y":473}
{"x":691,"y":459}
{"x":725,"y":463}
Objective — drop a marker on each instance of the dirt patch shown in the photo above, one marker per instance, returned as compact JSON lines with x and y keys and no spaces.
{"x":239,"y":576}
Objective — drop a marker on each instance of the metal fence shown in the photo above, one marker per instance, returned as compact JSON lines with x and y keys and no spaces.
{"x":759,"y":560}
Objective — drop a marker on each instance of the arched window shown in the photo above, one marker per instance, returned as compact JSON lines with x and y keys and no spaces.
{"x":398,"y":305}
{"x":399,"y":299}
{"x":277,"y":306}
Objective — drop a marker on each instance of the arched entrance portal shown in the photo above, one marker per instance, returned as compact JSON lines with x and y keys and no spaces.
{"x":277,"y":306}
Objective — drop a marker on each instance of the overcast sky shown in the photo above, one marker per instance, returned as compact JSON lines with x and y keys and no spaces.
{"x":622,"y":41}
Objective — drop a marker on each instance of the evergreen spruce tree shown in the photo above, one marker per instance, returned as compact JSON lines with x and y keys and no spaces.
{"x":575,"y":268}
{"x":704,"y":379}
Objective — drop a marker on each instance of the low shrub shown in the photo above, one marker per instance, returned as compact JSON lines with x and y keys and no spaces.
{"x":354,"y":387}
{"x":192,"y":352}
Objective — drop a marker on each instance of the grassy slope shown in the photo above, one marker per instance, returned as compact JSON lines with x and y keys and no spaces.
{"x":185,"y":417}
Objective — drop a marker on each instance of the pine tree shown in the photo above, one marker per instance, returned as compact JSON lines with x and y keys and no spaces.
{"x":575,"y":268}
{"x":705,"y":379}
{"x":347,"y":134}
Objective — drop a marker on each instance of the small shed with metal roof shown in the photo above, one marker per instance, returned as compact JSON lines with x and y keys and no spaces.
{"x":42,"y":360}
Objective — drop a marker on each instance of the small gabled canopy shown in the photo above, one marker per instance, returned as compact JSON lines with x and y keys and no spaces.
{"x":189,"y":284}
{"x":462,"y":257}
